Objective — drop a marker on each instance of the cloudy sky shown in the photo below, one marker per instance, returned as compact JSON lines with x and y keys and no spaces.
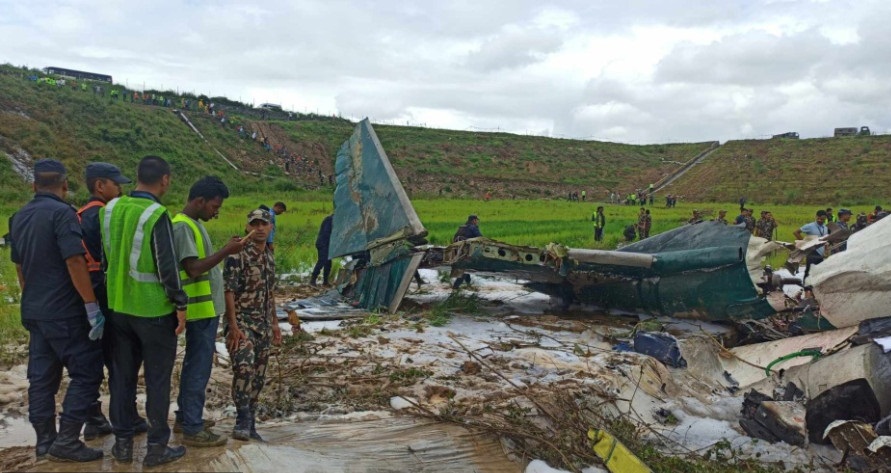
{"x":629,"y":71}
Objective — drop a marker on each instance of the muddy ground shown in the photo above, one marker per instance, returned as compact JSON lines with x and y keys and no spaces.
{"x":487,"y":382}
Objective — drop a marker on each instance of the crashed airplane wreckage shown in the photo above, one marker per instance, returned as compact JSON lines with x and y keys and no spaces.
{"x":706,"y":271}
{"x":832,"y":386}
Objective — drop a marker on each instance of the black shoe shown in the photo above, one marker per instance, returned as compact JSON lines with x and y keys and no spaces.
{"x":242,"y":430}
{"x":96,"y":425}
{"x":158,"y":454}
{"x":122,"y":450}
{"x":46,"y":435}
{"x":69,"y":448}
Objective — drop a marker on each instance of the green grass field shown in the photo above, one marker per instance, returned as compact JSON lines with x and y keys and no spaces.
{"x":519,"y":222}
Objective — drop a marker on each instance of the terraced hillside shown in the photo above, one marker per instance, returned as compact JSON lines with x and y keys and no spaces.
{"x":77,"y":124}
{"x":436,"y":162}
{"x":294,"y":152}
{"x":832,"y":171}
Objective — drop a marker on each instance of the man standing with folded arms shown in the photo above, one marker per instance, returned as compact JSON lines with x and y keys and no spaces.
{"x":148,"y":308}
{"x":202,"y":279}
{"x":60,"y":312}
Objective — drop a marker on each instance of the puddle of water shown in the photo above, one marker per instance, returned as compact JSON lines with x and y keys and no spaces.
{"x":15,"y":431}
{"x":390,"y":444}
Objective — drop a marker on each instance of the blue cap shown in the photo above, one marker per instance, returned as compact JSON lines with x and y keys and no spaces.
{"x":49,"y":165}
{"x":105,"y":171}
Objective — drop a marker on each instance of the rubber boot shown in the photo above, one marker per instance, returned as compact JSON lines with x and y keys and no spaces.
{"x":69,"y":448}
{"x":253,"y":431}
{"x":96,"y":425}
{"x":242,"y":430}
{"x":46,"y":435}
{"x":158,"y":454}
{"x":122,"y":450}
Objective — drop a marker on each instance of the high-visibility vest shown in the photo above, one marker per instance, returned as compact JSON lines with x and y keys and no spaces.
{"x":92,"y":265}
{"x":134,"y":287}
{"x":197,"y":288}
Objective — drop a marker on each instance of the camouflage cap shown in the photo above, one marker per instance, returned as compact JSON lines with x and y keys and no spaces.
{"x":259,"y":214}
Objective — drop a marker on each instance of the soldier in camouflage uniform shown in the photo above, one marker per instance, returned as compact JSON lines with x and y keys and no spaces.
{"x":722,"y":217}
{"x":644,"y":222}
{"x":766,"y":225}
{"x":745,"y":218}
{"x":251,"y":323}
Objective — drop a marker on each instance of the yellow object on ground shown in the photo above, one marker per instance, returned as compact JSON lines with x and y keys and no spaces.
{"x":615,"y":455}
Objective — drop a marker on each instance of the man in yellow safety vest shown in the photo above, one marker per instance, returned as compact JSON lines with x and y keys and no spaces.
{"x":202,"y":279}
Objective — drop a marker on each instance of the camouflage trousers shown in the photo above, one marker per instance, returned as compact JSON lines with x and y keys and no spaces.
{"x":249,"y":361}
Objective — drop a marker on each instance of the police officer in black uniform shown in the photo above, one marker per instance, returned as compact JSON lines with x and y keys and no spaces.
{"x":60,"y":312}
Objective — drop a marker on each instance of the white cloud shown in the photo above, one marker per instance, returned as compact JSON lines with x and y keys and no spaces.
{"x":636,"y":71}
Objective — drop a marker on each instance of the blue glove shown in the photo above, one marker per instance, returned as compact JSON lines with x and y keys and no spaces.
{"x":96,"y":319}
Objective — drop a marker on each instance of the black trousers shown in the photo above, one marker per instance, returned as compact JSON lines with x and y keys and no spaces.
{"x":150,"y":341}
{"x":813,"y":259}
{"x":55,"y":344}
{"x":323,"y":265}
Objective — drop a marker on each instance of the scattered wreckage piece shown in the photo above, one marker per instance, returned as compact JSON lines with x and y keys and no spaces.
{"x":775,"y":420}
{"x":374,"y":223}
{"x":695,"y":271}
{"x":854,"y":383}
{"x":864,"y":449}
{"x":855,"y":285}
{"x":615,"y":455}
{"x":747,"y":363}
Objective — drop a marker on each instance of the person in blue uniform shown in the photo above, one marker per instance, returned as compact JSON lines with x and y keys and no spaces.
{"x":61,"y":314}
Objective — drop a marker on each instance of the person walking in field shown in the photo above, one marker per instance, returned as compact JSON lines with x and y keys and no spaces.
{"x":323,"y":264}
{"x":599,"y":223}
{"x":645,"y":224}
{"x":202,"y":279}
{"x":251,"y":324}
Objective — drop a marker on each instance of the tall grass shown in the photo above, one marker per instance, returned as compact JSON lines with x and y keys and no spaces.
{"x":11,"y":330}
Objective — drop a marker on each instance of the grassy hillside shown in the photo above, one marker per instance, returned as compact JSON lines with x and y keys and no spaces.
{"x":75,"y":125}
{"x":831,"y":171}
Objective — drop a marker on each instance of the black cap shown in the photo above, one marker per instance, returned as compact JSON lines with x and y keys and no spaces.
{"x":844,"y":212}
{"x":472,"y":217}
{"x":105,"y":171}
{"x":49,"y":165}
